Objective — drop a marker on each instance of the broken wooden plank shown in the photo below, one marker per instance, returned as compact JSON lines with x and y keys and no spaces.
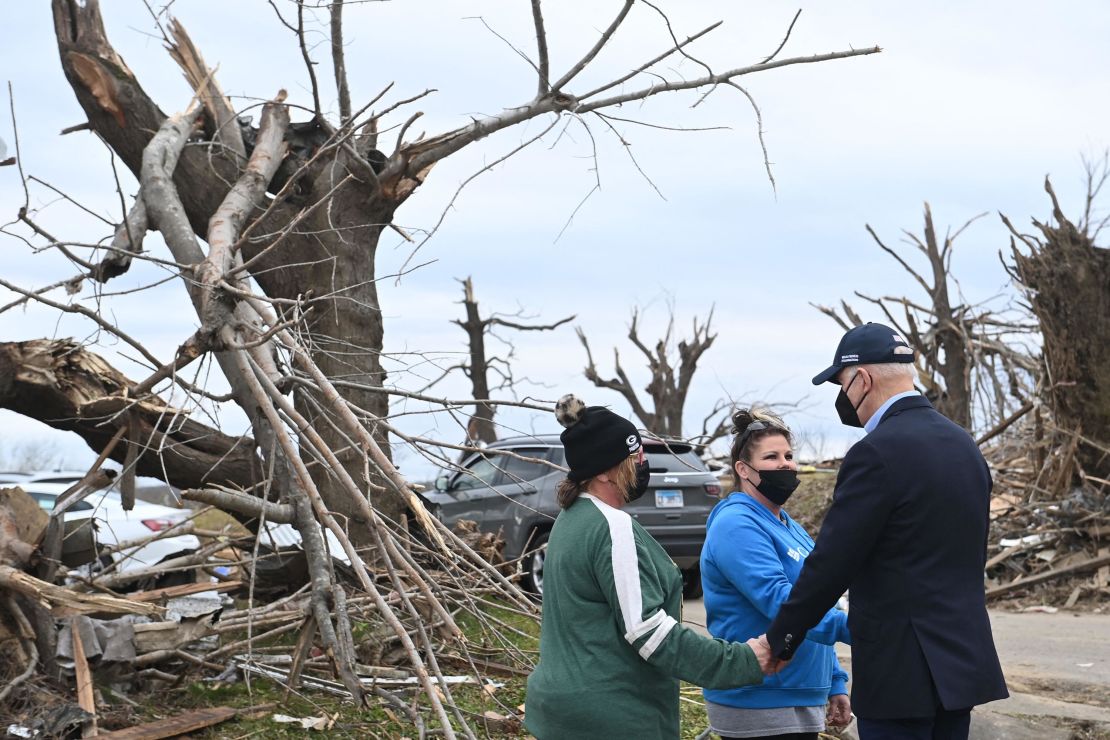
{"x":1075,"y":594}
{"x":1004,"y":555}
{"x":83,"y":675}
{"x":1090,"y":564}
{"x":174,"y":726}
{"x":185,"y":589}
{"x":485,"y":666}
{"x":300,"y":654}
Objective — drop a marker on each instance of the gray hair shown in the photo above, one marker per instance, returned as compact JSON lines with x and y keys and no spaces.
{"x":885,"y":370}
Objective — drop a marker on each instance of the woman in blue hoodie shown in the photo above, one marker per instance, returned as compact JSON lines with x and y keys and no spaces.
{"x":752,"y":555}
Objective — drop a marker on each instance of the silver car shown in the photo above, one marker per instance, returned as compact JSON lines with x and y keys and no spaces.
{"x":515,"y":497}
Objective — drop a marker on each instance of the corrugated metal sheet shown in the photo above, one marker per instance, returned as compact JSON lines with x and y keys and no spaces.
{"x":278,"y":536}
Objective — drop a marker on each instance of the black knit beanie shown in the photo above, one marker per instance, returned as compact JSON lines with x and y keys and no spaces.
{"x":595,"y":439}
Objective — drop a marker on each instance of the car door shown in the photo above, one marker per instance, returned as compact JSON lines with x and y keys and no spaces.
{"x":469,"y":491}
{"x":516,"y":502}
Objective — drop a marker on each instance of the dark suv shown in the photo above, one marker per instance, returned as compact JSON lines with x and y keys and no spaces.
{"x":515,"y":496}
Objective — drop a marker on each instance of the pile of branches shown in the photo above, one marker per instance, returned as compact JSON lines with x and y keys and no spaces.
{"x":1049,"y":539}
{"x":243,"y":606}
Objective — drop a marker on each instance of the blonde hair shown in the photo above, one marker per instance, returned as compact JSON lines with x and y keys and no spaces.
{"x":623,"y":476}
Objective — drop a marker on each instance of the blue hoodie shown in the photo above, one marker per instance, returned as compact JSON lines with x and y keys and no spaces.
{"x":749,"y":563}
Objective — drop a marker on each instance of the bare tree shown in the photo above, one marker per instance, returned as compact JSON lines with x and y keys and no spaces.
{"x":672,"y":367}
{"x":960,"y":348}
{"x":480,"y":364}
{"x":1066,"y":278}
{"x":335,"y":190}
{"x":273,"y":232}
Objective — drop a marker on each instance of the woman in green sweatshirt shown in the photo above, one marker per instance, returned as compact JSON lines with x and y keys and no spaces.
{"x":612,"y":646}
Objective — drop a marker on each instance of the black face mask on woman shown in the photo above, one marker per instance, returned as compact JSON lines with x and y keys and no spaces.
{"x":848,"y":413}
{"x":777,"y":485}
{"x":643,"y":477}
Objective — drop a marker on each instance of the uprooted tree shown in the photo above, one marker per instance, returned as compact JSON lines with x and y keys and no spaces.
{"x":1066,"y":278}
{"x":273,"y":231}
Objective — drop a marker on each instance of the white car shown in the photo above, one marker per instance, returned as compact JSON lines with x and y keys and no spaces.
{"x":113,"y":524}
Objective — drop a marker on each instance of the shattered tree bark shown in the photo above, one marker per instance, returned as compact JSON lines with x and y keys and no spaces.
{"x":1067,"y":278}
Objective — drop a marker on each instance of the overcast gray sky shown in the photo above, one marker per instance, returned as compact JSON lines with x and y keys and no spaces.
{"x":969,"y":106}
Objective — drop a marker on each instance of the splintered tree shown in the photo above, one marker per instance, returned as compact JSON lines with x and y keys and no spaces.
{"x":672,"y":367}
{"x":481,"y":428}
{"x":311,"y":247}
{"x":964,"y":357}
{"x":1066,"y":278}
{"x":273,"y":231}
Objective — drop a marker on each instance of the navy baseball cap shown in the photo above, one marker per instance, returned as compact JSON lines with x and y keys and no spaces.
{"x":867,"y":344}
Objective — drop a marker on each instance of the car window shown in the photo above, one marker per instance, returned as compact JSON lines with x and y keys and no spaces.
{"x":480,"y":473}
{"x":517,"y":470}
{"x":673,"y":458}
{"x":46,"y":502}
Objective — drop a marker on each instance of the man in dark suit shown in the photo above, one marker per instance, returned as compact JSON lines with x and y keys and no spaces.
{"x":906,"y":533}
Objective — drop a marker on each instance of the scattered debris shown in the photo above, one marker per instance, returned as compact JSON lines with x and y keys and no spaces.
{"x":323,"y":722}
{"x":1050,"y":519}
{"x":174,"y":726}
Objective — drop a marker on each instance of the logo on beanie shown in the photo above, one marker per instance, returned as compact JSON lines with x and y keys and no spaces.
{"x":633,"y":443}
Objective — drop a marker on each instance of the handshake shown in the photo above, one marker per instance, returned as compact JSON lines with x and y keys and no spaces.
{"x":768,"y":663}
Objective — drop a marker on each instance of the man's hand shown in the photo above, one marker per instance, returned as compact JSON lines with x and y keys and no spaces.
{"x":839,"y":712}
{"x":768,"y":663}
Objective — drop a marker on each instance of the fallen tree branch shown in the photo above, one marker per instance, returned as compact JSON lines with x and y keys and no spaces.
{"x":67,"y":387}
{"x":66,"y":602}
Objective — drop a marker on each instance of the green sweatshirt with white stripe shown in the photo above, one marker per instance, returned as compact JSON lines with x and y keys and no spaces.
{"x":612,"y":648}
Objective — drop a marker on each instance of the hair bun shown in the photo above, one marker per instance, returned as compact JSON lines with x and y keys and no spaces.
{"x":568,"y":410}
{"x":740,"y":420}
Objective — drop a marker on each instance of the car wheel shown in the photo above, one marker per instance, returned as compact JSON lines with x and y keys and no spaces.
{"x":533,"y":564}
{"x":691,"y":583}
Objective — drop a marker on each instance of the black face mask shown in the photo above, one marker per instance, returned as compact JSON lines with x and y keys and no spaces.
{"x":849,"y":414}
{"x":643,"y":477}
{"x":777,"y":485}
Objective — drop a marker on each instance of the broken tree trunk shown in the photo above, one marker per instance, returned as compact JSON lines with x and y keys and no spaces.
{"x":64,"y":385}
{"x":1068,"y":280}
{"x":339,"y":284}
{"x":481,"y":427}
